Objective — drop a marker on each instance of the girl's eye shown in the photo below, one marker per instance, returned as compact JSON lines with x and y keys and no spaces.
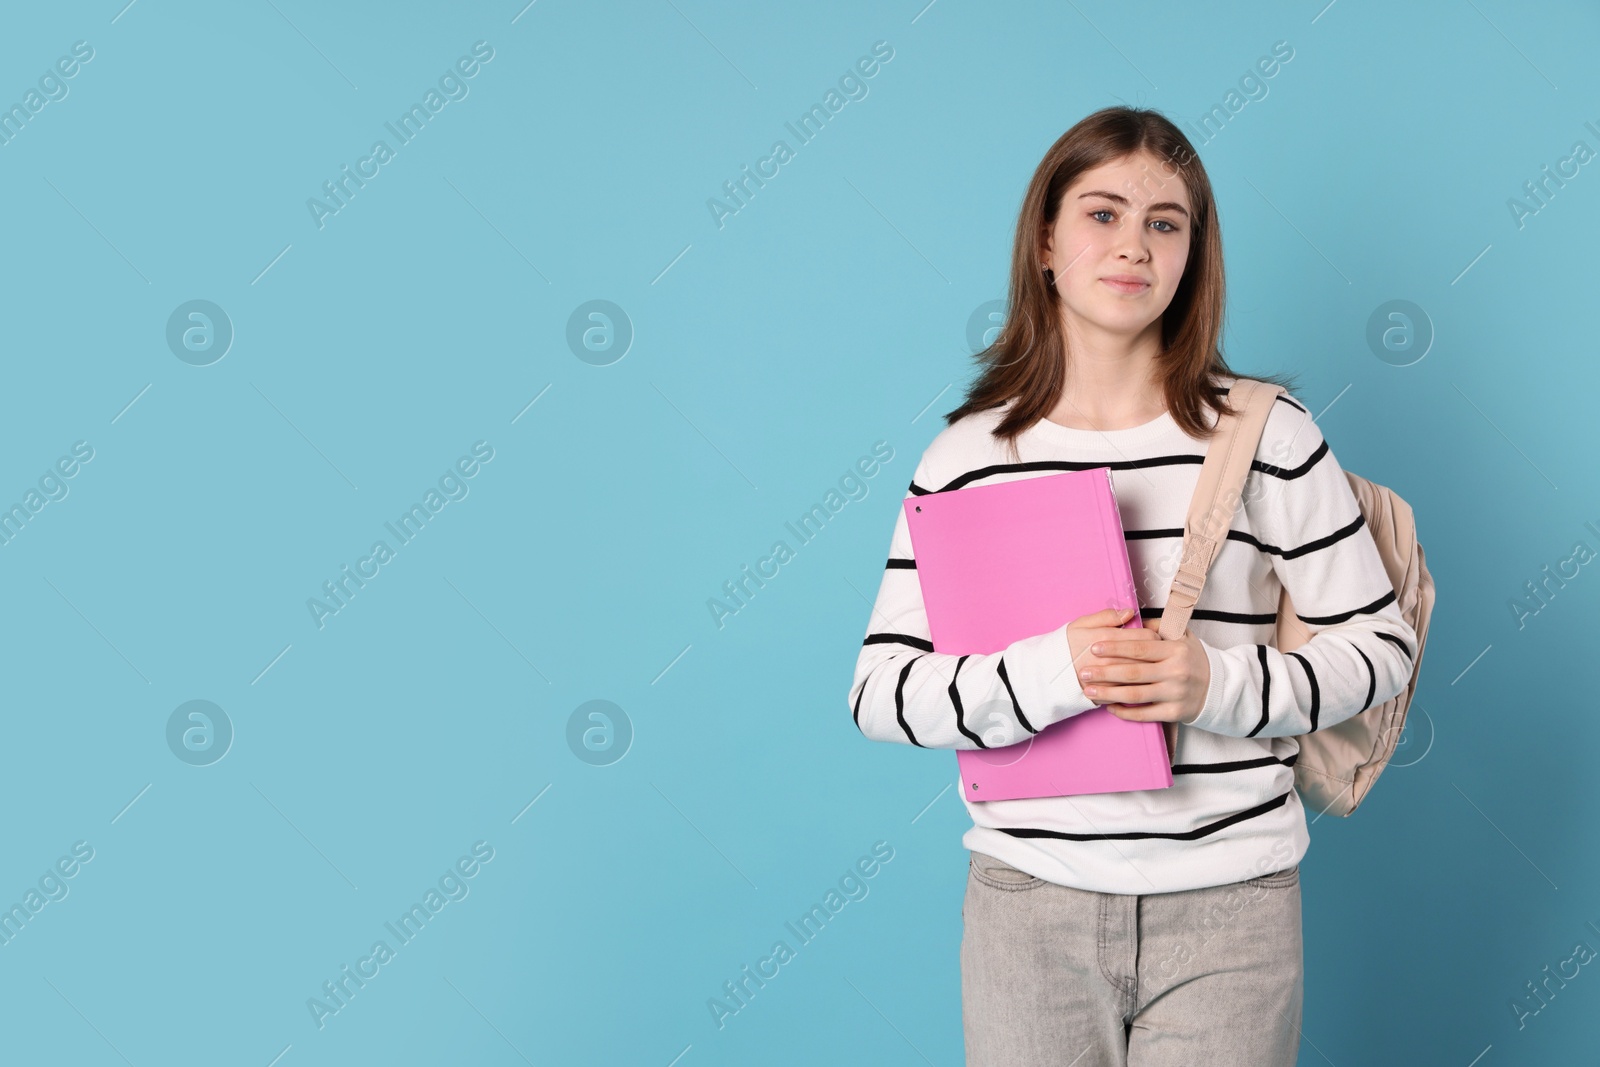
{"x":1170,"y":228}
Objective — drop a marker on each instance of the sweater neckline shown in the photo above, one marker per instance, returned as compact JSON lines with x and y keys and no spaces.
{"x":1055,"y":433}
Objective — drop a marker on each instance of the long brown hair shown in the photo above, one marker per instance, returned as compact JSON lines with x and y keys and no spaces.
{"x":1027,"y":361}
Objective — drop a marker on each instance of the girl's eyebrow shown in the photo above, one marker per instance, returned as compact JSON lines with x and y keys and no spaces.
{"x":1118,"y":198}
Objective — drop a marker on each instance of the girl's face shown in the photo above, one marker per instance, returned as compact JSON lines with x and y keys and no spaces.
{"x":1119,"y":244}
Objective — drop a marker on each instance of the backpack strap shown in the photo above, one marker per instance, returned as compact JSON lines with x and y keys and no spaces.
{"x":1216,"y":496}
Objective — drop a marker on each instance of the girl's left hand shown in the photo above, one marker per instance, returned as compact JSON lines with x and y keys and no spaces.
{"x":1161,"y":681}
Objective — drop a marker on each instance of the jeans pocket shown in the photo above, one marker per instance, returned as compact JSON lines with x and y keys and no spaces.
{"x":1289,"y":876}
{"x":1001,"y":875}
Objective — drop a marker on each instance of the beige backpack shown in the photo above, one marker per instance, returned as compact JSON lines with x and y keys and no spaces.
{"x":1337,"y":764}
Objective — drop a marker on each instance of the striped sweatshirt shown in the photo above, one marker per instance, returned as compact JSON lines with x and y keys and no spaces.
{"x":1232,"y":811}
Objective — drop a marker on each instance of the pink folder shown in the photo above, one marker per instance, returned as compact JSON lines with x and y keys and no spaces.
{"x":1010,"y":560}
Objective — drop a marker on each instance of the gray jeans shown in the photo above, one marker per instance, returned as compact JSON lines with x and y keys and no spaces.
{"x":1053,"y":976}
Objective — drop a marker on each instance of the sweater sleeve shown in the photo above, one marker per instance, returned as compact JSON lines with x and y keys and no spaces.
{"x":904,"y":691}
{"x":1360,"y":650}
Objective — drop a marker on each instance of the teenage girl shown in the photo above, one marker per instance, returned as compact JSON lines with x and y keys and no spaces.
{"x":1151,"y":928}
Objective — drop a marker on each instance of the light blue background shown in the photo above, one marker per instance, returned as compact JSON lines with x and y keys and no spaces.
{"x":769,"y":355}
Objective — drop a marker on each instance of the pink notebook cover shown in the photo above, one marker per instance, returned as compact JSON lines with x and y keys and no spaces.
{"x":1009,"y":560}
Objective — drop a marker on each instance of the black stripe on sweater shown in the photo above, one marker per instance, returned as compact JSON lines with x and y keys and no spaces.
{"x":1322,"y":542}
{"x":1140,"y":835}
{"x":855,"y":712}
{"x":1234,"y":765}
{"x":1372,"y":680}
{"x":1000,"y":669}
{"x":1266,"y":689}
{"x":1175,"y":533}
{"x":979,"y":473}
{"x":1329,"y":620}
{"x":1316,"y":694}
{"x":955,"y":702}
{"x":1171,"y":460}
{"x":900,"y":564}
{"x":900,"y":701}
{"x":899,"y":639}
{"x":1395,"y":641}
{"x":1240,"y":535}
{"x":1239,"y":617}
{"x":1290,"y":473}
